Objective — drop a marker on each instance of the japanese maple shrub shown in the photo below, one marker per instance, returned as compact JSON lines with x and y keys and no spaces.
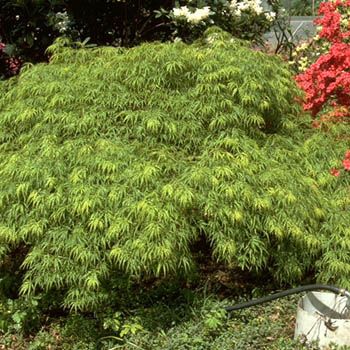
{"x":114,"y":162}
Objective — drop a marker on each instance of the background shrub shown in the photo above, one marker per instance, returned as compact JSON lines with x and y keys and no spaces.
{"x":29,"y":27}
{"x":116,"y":162}
{"x":8,"y":65}
{"x":246,"y":19}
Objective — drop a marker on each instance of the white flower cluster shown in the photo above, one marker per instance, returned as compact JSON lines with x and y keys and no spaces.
{"x":246,"y":5}
{"x":270,"y":16}
{"x":62,"y":22}
{"x":195,"y":17}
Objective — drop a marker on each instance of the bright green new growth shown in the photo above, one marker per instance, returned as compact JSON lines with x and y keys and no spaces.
{"x":119,"y":160}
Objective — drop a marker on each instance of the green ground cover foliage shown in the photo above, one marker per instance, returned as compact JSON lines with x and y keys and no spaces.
{"x":173,"y":319}
{"x":115,"y":162}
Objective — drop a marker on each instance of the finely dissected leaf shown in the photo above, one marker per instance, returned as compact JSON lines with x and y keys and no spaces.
{"x":116,"y":161}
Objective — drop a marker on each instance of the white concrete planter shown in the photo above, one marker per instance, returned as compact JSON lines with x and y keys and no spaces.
{"x":323,"y":317}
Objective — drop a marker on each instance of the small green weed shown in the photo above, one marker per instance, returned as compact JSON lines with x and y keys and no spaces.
{"x":20,"y":315}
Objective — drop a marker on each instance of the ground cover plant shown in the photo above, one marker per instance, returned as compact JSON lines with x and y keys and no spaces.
{"x":118,"y":162}
{"x":169,"y":317}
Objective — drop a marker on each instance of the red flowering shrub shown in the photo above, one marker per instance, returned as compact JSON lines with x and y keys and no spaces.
{"x":327,"y":81}
{"x":334,"y":23}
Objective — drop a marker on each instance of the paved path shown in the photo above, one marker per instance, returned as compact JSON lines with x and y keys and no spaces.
{"x":302,"y":28}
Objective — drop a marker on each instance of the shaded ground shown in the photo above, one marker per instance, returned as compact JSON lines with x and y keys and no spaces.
{"x":172,"y":315}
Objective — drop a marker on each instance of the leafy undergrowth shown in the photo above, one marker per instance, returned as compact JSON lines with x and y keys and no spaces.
{"x":169,"y":316}
{"x":201,"y":324}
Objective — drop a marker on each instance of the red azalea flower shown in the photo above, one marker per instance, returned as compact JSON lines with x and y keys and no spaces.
{"x":347,"y":154}
{"x":335,"y":172}
{"x":327,"y":81}
{"x":346,"y":164}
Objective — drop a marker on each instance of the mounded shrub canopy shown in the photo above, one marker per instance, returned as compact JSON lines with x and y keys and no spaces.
{"x":116,"y":161}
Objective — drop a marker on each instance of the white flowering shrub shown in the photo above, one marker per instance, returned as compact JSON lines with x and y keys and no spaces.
{"x":246,"y":19}
{"x":195,"y":17}
{"x":62,"y":22}
{"x":252,"y":6}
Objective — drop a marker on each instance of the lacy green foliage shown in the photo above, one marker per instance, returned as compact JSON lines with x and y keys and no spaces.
{"x":116,"y":161}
